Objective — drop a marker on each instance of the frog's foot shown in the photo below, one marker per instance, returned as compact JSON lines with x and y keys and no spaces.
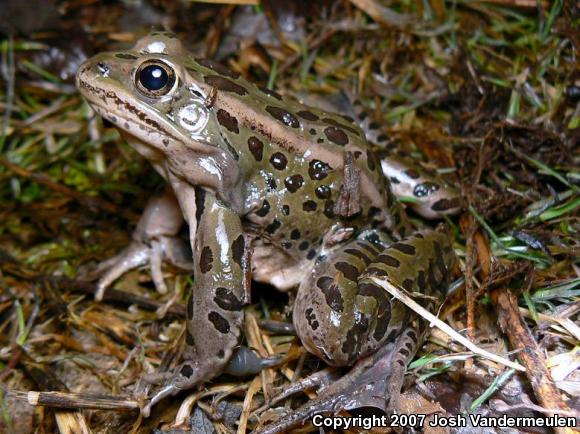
{"x":154,"y":241}
{"x":186,"y":376}
{"x":375,"y":381}
{"x":141,"y":253}
{"x":318,"y":380}
{"x":243,"y":362}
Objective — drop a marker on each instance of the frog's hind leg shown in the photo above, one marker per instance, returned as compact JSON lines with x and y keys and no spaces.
{"x":345,"y":318}
{"x":428,"y":195}
{"x":375,"y":381}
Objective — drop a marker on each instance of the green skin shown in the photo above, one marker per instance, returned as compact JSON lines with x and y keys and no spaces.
{"x":251,"y":171}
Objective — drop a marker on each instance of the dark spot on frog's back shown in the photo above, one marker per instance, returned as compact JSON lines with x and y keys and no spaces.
{"x":227,"y":300}
{"x":308,"y":115}
{"x":421,"y":280}
{"x":205,"y":259}
{"x":274,"y":226}
{"x":283,"y":116}
{"x":318,"y":170}
{"x":225,"y":84}
{"x":238,"y":249}
{"x":408,"y":284}
{"x":334,"y":123}
{"x":256,"y":147}
{"x":294,"y":182}
{"x":309,"y":206}
{"x":336,"y":135}
{"x":322,"y":191}
{"x":329,"y":209}
{"x":271,"y":93}
{"x":219,"y":322}
{"x":278,"y":160}
{"x":217,"y":67}
{"x":228,"y":121}
{"x":360,"y":255}
{"x":199,"y":202}
{"x":331,"y":293}
{"x":383,"y":310}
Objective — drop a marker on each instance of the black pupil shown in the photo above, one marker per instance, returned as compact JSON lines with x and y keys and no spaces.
{"x":153,"y":77}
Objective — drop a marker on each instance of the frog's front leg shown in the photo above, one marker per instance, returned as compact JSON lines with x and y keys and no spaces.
{"x":221,"y":279}
{"x":154,"y":240}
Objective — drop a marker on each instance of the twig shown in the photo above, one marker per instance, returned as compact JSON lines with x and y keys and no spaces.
{"x":398,"y":294}
{"x":76,"y":400}
{"x":530,"y":355}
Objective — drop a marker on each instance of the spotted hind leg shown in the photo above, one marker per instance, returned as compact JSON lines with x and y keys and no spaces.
{"x":345,"y":318}
{"x":341,"y":314}
{"x":422,"y":190}
{"x":428,"y":195}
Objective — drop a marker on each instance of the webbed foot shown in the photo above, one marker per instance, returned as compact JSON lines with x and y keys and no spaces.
{"x":375,"y":381}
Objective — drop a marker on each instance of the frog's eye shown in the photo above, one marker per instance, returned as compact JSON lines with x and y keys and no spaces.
{"x":154,"y":78}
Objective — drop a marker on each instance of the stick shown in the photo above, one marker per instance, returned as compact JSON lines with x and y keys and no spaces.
{"x":398,"y":294}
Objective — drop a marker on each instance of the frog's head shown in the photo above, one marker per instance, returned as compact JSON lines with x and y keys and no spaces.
{"x":148,"y":94}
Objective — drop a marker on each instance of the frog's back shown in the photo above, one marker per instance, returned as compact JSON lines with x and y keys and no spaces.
{"x":245,"y":110}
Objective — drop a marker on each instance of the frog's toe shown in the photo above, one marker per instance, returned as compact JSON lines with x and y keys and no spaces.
{"x":133,"y":256}
{"x":139,"y":254}
{"x":166,"y":391}
{"x":246,"y":362}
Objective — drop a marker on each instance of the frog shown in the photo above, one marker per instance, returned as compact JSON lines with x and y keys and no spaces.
{"x":272,"y":191}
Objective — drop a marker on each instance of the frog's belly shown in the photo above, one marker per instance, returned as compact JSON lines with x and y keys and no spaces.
{"x":275,"y":267}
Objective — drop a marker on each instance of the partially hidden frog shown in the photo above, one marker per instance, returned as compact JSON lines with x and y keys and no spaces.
{"x":277,"y":192}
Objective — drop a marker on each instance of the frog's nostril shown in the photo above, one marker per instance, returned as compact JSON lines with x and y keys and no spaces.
{"x":103,"y":68}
